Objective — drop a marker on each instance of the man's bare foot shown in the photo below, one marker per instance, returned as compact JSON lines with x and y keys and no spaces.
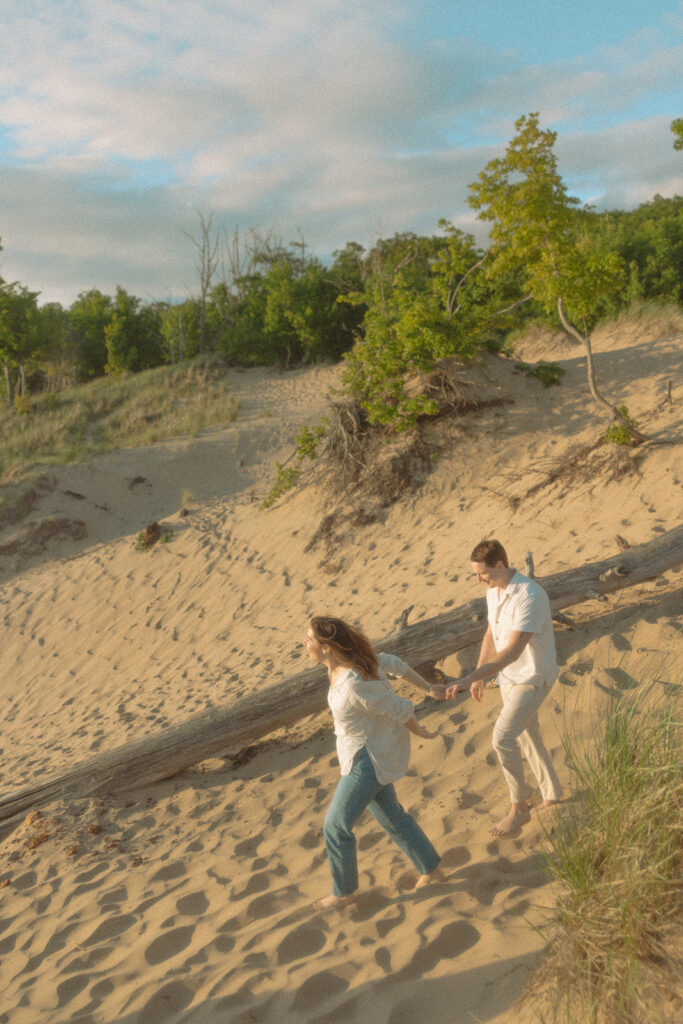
{"x":436,"y":875}
{"x":542,"y":806}
{"x":512,"y":821}
{"x":333,"y":902}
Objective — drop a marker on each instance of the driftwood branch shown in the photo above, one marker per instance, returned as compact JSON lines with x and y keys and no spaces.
{"x":212,"y":732}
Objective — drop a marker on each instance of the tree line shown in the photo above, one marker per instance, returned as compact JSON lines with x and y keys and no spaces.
{"x":390,"y":310}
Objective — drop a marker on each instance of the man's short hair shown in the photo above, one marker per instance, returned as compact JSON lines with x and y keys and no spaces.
{"x":490,"y":552}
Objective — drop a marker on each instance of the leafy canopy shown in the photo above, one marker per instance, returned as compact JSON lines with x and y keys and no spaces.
{"x":538,"y":230}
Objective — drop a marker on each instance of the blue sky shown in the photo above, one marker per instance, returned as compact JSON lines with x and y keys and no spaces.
{"x":337,"y":120}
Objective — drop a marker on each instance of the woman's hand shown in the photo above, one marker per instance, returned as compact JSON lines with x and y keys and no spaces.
{"x":412,"y":725}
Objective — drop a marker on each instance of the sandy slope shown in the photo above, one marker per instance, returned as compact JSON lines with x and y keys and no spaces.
{"x":188,"y":901}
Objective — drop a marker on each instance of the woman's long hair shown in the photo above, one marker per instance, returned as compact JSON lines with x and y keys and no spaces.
{"x":350,"y":646}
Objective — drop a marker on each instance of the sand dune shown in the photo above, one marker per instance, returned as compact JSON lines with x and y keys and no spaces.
{"x":189,"y":901}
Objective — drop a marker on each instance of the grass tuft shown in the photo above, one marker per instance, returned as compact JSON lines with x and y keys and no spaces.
{"x":109,"y":413}
{"x":616,"y":857}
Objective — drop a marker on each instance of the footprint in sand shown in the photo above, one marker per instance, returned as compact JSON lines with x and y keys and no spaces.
{"x":451,"y":941}
{"x":383,"y":959}
{"x":310,"y":840}
{"x":169,"y":944}
{"x":248,"y":847}
{"x":110,"y":928}
{"x":367,"y":841}
{"x":165,"y":1004}
{"x":468,"y":800}
{"x":193,"y":905}
{"x":257,"y":883}
{"x":169,"y":872}
{"x":302,"y":942}
{"x":224,"y":943}
{"x":70,"y":988}
{"x":368,"y":904}
{"x":273,"y":902}
{"x":455,"y":857}
{"x":391,"y":921}
{"x":317,"y":989}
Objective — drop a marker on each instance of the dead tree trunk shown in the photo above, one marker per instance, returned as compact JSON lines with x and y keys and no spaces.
{"x":212,"y":732}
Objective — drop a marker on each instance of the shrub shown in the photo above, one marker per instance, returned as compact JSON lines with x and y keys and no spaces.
{"x":549,"y":374}
{"x":286,"y":477}
{"x":619,"y":433}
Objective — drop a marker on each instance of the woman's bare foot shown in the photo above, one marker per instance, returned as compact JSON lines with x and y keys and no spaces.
{"x":436,"y":875}
{"x":512,"y":822}
{"x":333,"y":902}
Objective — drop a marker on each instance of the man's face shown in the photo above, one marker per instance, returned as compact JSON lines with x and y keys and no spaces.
{"x":489,"y":575}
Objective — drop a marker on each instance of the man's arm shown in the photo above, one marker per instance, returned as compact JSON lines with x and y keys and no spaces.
{"x":486,"y":670}
{"x":491,"y":662}
{"x":488,"y":648}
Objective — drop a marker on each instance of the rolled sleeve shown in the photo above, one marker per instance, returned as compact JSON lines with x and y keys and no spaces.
{"x":392,"y":665}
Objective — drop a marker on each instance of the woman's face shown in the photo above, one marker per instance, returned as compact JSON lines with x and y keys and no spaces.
{"x":314,"y":647}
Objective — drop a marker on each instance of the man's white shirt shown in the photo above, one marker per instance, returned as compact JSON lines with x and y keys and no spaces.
{"x":524,"y":606}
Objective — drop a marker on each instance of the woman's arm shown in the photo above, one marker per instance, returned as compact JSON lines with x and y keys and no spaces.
{"x":412,"y":725}
{"x":434,"y":690}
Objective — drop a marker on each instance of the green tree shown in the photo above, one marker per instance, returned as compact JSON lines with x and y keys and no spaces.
{"x":649,"y":241}
{"x":303,"y":320}
{"x":89,"y":315}
{"x":424,"y":300}
{"x":677,"y":129}
{"x":18,"y":335}
{"x":133,"y":336}
{"x":179,"y":327}
{"x":59,"y":358}
{"x":537,"y":229}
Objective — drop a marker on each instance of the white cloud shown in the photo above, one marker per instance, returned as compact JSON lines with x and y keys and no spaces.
{"x":119,"y":118}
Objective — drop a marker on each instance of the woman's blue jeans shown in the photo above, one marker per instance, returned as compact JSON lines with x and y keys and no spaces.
{"x":356,"y":791}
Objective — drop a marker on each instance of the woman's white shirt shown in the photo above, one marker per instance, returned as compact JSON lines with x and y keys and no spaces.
{"x":367,"y":713}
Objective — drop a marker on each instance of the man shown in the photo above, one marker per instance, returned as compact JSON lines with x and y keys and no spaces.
{"x":518,"y":648}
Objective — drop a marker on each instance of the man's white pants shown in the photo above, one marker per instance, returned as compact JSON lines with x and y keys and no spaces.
{"x":517,"y":732}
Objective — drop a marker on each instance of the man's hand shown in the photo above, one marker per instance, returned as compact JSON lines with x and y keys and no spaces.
{"x":477,"y":690}
{"x":459,"y":686}
{"x":437,"y":691}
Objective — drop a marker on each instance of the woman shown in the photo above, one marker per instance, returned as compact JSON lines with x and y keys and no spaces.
{"x":372,"y":726}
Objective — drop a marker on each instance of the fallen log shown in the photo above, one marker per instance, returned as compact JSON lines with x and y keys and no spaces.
{"x":211,"y":732}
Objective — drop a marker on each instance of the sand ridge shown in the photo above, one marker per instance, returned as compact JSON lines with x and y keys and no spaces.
{"x":188,"y":901}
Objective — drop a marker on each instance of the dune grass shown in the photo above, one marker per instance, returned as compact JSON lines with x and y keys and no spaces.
{"x":119,"y":412}
{"x":615,"y":853}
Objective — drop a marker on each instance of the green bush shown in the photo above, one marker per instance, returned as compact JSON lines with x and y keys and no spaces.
{"x":549,"y":374}
{"x":619,"y":433}
{"x":286,"y":477}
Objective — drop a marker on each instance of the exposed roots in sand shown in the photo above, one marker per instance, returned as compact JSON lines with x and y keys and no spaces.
{"x":373,"y":467}
{"x":582,"y":464}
